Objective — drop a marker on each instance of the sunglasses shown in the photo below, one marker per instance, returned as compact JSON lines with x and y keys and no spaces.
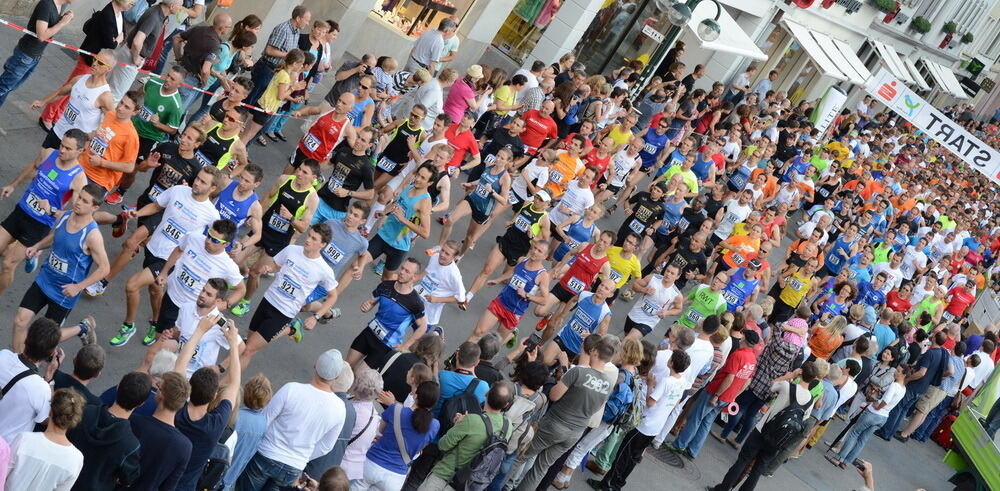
{"x":100,"y":63}
{"x":416,"y":116}
{"x":216,"y":240}
{"x":230,"y":119}
{"x":364,"y":87}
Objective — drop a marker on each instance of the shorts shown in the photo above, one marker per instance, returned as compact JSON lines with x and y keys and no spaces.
{"x":614,"y":189}
{"x":477,"y":215}
{"x":35,"y":299}
{"x":326,"y":212}
{"x":151,"y":222}
{"x":153,"y":263}
{"x":631,"y":324}
{"x":167,"y":318}
{"x":145,"y":147}
{"x":393,"y":257}
{"x":930,"y":400}
{"x":268,"y":321}
{"x":514,"y":200}
{"x":318,"y":295}
{"x":260,"y":117}
{"x":273,"y":242}
{"x":297,"y":158}
{"x":559,"y":342}
{"x":51,"y":140}
{"x":562,"y":293}
{"x":24,"y":228}
{"x":368,"y":344}
{"x":508,"y":319}
{"x":511,"y":251}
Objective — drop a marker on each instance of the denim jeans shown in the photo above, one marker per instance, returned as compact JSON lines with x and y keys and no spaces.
{"x":188,"y":96}
{"x":278,"y":121}
{"x":497,"y":484}
{"x":16,"y":70}
{"x":699,"y":423}
{"x":898,"y":414}
{"x":933,"y":420}
{"x":749,"y":405}
{"x":859,"y":435}
{"x":264,"y":474}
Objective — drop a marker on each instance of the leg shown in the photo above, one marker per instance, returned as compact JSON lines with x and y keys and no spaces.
{"x":750,"y":451}
{"x":163,"y":342}
{"x":486,"y":322}
{"x":16,"y":70}
{"x":471,"y":234}
{"x":253,"y":282}
{"x":461,"y":210}
{"x":550,"y":353}
{"x":354,"y":358}
{"x":11,"y":258}
{"x":255,"y":342}
{"x":628,"y":456}
{"x":548,"y":445}
{"x":133,"y":286}
{"x":21,"y":320}
{"x":492,"y":262}
{"x":129,"y":249}
{"x":555,"y":322}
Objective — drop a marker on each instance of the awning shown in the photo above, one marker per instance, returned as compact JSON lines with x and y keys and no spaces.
{"x":732,"y":39}
{"x":836,"y":58}
{"x":945,"y":79}
{"x":892,"y":60}
{"x":848,"y":53}
{"x":915,"y":72}
{"x":804,"y":37}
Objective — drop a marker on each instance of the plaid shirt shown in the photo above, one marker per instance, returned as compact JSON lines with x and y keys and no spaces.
{"x":532,"y":99}
{"x":776,"y":360}
{"x":285,"y":38}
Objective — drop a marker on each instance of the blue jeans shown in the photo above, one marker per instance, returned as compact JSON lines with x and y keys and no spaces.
{"x":855,"y":441}
{"x":279,"y":120}
{"x":261,"y":75}
{"x":16,"y":70}
{"x":188,"y":96}
{"x":264,"y":474}
{"x":699,"y":423}
{"x":933,"y":420}
{"x":898,"y":414}
{"x":749,"y":409}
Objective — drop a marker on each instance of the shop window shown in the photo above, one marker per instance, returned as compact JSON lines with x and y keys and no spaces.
{"x":413,"y":17}
{"x":622,"y":32}
{"x":524,"y":27}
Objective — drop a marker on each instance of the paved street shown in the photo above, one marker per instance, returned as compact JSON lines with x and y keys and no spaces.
{"x":898,"y":467}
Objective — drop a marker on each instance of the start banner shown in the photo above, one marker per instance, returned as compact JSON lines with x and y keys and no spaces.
{"x":888,"y":90}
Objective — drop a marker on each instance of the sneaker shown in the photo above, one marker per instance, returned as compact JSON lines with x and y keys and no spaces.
{"x":438,"y":331}
{"x":295,"y":330}
{"x":88,"y":331}
{"x":331,"y":314}
{"x":31,"y":264}
{"x":512,"y":342}
{"x":114,"y":197}
{"x":125,"y":333}
{"x":656,"y":445}
{"x":241,"y":308}
{"x":97,"y":288}
{"x":542,"y":323}
{"x":432,"y":251}
{"x":150,"y":336}
{"x":379,"y":267}
{"x":120,"y":229}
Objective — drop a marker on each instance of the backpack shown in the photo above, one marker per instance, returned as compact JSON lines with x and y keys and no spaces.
{"x":583,"y":112}
{"x":463,"y":402}
{"x":523,"y":413}
{"x":788,"y":425}
{"x":632,"y":415}
{"x":484,"y":466}
{"x":217,"y":464}
{"x":133,"y":14}
{"x":620,"y":399}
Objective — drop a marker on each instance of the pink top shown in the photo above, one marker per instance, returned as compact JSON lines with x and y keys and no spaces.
{"x":455,"y":105}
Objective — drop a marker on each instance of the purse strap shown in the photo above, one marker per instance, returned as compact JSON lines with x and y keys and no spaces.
{"x":397,"y":428}
{"x":389,"y":363}
{"x":371,"y":416}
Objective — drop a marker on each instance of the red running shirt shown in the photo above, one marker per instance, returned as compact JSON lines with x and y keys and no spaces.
{"x":582,"y":272}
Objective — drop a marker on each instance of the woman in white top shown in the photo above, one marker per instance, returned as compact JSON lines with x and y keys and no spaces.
{"x":367,"y":386}
{"x":48,"y":461}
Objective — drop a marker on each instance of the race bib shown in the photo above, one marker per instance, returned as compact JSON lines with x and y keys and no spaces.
{"x":154,"y":192}
{"x":738,"y":259}
{"x":72,"y":113}
{"x":730,"y":218}
{"x":739,"y":181}
{"x":202,"y":159}
{"x":694,"y":316}
{"x":33,"y":202}
{"x":555,"y":176}
{"x":288,"y":287}
{"x":279,"y":223}
{"x":578,"y":327}
{"x":426,"y":285}
{"x":650,"y":308}
{"x":145,"y":113}
{"x":483,"y":191}
{"x":377,"y":329}
{"x":521,"y":223}
{"x":98,"y":146}
{"x":173,"y":231}
{"x":947,"y":316}
{"x":58,"y":264}
{"x":489,"y":159}
{"x":834,"y":259}
{"x":186,"y":279}
{"x":575,"y":285}
{"x":615,"y":276}
{"x":512,"y":198}
{"x":795,"y":284}
{"x":385,"y":165}
{"x":731,"y":298}
{"x":824,"y":192}
{"x":333,"y":253}
{"x":636,"y":226}
{"x":517,"y":282}
{"x":310,"y":142}
{"x":683,"y":223}
{"x":649,"y":148}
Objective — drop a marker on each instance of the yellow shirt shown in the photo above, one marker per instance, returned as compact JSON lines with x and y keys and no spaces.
{"x":620,"y":134}
{"x":796,"y":288}
{"x":623,"y":269}
{"x":507,"y":96}
{"x":269,"y":99}
{"x":688,"y":177}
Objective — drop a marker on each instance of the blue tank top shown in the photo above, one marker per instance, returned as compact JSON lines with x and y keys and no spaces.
{"x":577,"y":234}
{"x":838,"y":255}
{"x":701,"y":167}
{"x":482,"y":195}
{"x":739,"y":178}
{"x":799,"y":166}
{"x":675,"y":158}
{"x":652,"y":148}
{"x":672,"y":213}
{"x":522,"y":278}
{"x":394,"y":233}
{"x":829,"y":307}
{"x":586,"y":316}
{"x":358,"y":112}
{"x":67,"y":263}
{"x":50,"y":183}
{"x":738,"y":290}
{"x":237,"y":211}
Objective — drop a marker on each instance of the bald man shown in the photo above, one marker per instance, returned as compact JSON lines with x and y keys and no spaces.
{"x":195,"y":49}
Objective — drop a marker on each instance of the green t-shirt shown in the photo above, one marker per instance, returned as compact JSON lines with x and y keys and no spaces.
{"x":464,"y":440}
{"x":689,"y":177}
{"x":167,"y":107}
{"x":881,"y":253}
{"x":703,"y":304}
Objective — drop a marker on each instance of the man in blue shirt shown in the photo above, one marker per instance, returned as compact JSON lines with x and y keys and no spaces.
{"x":930,"y":370}
{"x":454,"y":382}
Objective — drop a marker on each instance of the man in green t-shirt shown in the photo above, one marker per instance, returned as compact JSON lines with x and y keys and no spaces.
{"x":705,"y":300}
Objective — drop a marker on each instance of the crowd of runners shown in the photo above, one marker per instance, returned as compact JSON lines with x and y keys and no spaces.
{"x":679,"y":253}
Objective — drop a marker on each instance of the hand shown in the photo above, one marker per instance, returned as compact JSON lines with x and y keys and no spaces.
{"x":563,"y":359}
{"x":356,"y":273}
{"x":411,"y":140}
{"x":43,"y":204}
{"x":458,"y":418}
{"x":155,"y":119}
{"x":662,"y":313}
{"x":285,"y":213}
{"x":72,"y":290}
{"x":429,"y":298}
{"x":31,"y":252}
{"x":468,"y":186}
{"x":397,"y":212}
{"x":341,"y":192}
{"x":96,"y":160}
{"x":367,"y":305}
{"x":207,"y":322}
{"x":67,"y":17}
{"x":161,"y":279}
{"x":714,"y":401}
{"x":232,"y":333}
{"x":57,"y":358}
{"x":153,"y":160}
{"x":137,"y":60}
{"x":309,"y":324}
{"x":522,"y":293}
{"x":131,"y":213}
{"x":385,"y":398}
{"x":37,"y":104}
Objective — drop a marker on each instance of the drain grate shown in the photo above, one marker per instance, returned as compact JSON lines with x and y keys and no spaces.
{"x":686,"y":468}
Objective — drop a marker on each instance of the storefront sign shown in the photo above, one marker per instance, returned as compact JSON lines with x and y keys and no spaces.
{"x":987,"y":85}
{"x":828,"y":108}
{"x":652,"y":34}
{"x":969,"y":85}
{"x":888,"y":90}
{"x":975,"y":67}
{"x":852,"y":6}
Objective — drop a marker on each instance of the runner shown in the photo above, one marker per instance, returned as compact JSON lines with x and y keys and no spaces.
{"x":331,"y":127}
{"x":409,"y":217}
{"x":114,"y":147}
{"x":660,"y":298}
{"x":539,"y":130}
{"x":580,"y":268}
{"x":524,"y":284}
{"x":352,"y":178}
{"x":240,"y":204}
{"x":439,"y":284}
{"x":565,"y":168}
{"x":625,"y":265}
{"x":399,"y":307}
{"x":590,"y":315}
{"x":398,"y":146}
{"x":577,"y":197}
{"x":223,"y":148}
{"x":483,"y":195}
{"x":619,"y":174}
{"x":743,"y":286}
{"x":705,"y":300}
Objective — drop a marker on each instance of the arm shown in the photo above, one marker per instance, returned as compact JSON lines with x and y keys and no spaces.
{"x":557,"y":392}
{"x":136,"y":47}
{"x":302,"y":225}
{"x":726,"y":382}
{"x":180,"y":366}
{"x":419,"y":331}
{"x":233,"y":367}
{"x":45,"y":31}
{"x":161,"y":279}
{"x":25,"y":174}
{"x":61,"y":91}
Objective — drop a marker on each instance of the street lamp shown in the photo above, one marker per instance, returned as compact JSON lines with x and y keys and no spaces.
{"x":678,"y":14}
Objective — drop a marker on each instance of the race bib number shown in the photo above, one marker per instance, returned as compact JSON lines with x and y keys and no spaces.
{"x":426,"y":286}
{"x":333,"y":253}
{"x":650,"y":149}
{"x":834,"y":259}
{"x":947,"y":316}
{"x":636,"y":226}
{"x":186,"y":279}
{"x":202,"y":159}
{"x":385,"y":165}
{"x":33,"y":202}
{"x":650,"y":308}
{"x":72,"y":113}
{"x":575,"y":285}
{"x":824,"y":192}
{"x":377,"y":329}
{"x":694,"y":316}
{"x":288,"y":287}
{"x":58,"y":264}
{"x":489,"y":159}
{"x":615,"y":276}
{"x":145,"y":113}
{"x":98,"y":146}
{"x":730,"y":218}
{"x":731,"y":298}
{"x":310,"y":142}
{"x":683,"y":223}
{"x":483,"y":191}
{"x":172,"y":231}
{"x":578,"y":327}
{"x":739,"y":181}
{"x":512,"y":198}
{"x":522,"y":223}
{"x":555,"y":176}
{"x":738,"y":259}
{"x":279,"y":223}
{"x":516,"y":282}
{"x":795,"y":284}
{"x":154,"y":192}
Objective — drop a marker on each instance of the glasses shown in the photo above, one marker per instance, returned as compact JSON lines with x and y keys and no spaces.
{"x":100,"y":63}
{"x":364,"y":87}
{"x":216,"y":240}
{"x":230,"y":119}
{"x":416,"y":116}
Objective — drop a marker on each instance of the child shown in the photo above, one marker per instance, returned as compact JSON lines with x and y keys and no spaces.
{"x":297,"y":100}
{"x":278,"y":91}
{"x":416,"y":375}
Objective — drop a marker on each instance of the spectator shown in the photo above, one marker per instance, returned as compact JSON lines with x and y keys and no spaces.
{"x":528,"y":407}
{"x":250,"y":425}
{"x":533,"y":97}
{"x":303,"y":420}
{"x":454,"y":382}
{"x":870,"y":421}
{"x":104,"y":435}
{"x":87,"y":365}
{"x":26,"y":402}
{"x":48,"y":460}
{"x":201,"y":45}
{"x":934,"y":396}
{"x":168,"y":450}
{"x":334,"y":457}
{"x":284,"y":38}
{"x":489,"y":346}
{"x":45,"y":21}
{"x":334,"y":479}
{"x":430,"y":95}
{"x":428,"y":49}
{"x":532,"y":76}
{"x":367,"y":386}
{"x":139,"y":45}
{"x":348,"y":77}
{"x":395,"y":368}
{"x":932,"y":367}
{"x":162,"y":363}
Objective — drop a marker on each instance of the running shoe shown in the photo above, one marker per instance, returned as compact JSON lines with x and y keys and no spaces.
{"x":97,"y":289}
{"x":295,"y":330}
{"x":88,"y":331}
{"x":125,"y":332}
{"x":119,"y":229}
{"x":512,"y":342}
{"x":542,"y":323}
{"x":31,"y":264}
{"x":379,"y":267}
{"x":331,"y":314}
{"x":241,"y":308}
{"x":438,"y":331}
{"x":114,"y":197}
{"x":150,"y":336}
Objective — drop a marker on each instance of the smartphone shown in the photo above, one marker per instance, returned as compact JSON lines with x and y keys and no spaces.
{"x":223,"y":323}
{"x":533,"y":341}
{"x":857,"y":463}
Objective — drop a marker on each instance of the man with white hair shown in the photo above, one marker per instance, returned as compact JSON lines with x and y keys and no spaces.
{"x":428,"y":50}
{"x":303,"y":420}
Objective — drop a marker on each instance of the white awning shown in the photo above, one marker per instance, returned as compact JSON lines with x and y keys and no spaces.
{"x":892,"y":60}
{"x":804,"y":37}
{"x":945,"y":79}
{"x":850,"y":54}
{"x":732,"y":39}
{"x":915,"y":72}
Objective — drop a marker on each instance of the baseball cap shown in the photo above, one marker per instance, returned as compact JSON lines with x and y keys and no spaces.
{"x":329,"y":364}
{"x":543,"y":196}
{"x":750,"y":337}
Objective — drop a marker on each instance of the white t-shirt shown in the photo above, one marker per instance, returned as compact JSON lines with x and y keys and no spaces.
{"x":910,"y":255}
{"x":532,"y":172}
{"x":983,"y":371}
{"x":667,"y":393}
{"x":39,"y":463}
{"x":701,"y":354}
{"x":26,"y":403}
{"x":802,"y":396}
{"x":892,"y":395}
{"x":733,"y":214}
{"x":195,"y":267}
{"x":807,"y":228}
{"x":894,"y":276}
{"x":297,"y":278}
{"x":621,"y":165}
{"x":575,"y":199}
{"x":939,"y":248}
{"x":647,"y":306}
{"x":188,"y":319}
{"x":530,"y":84}
{"x":207,"y":352}
{"x":182,"y":215}
{"x":303,"y":423}
{"x":847,"y":391}
{"x":439,"y":281}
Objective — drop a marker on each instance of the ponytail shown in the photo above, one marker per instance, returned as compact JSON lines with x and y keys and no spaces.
{"x":427,"y":397}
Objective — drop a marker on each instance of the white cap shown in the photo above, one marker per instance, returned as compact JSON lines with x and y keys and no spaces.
{"x":544,"y":196}
{"x":329,"y":364}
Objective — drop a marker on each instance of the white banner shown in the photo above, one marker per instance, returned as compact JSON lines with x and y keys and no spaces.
{"x":888,"y":90}
{"x":828,"y":108}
